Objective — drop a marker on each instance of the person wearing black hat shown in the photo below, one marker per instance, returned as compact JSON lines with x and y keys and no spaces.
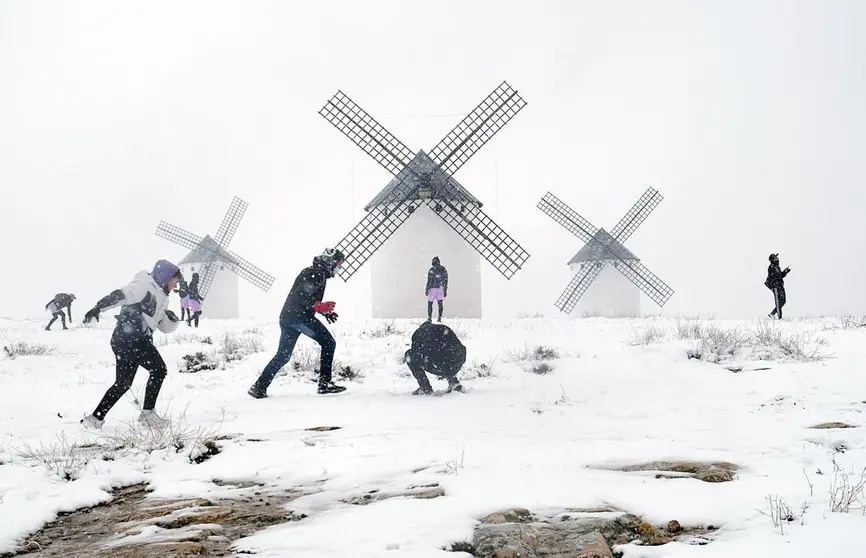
{"x":435,"y":350}
{"x":776,"y":283}
{"x":299,"y":316}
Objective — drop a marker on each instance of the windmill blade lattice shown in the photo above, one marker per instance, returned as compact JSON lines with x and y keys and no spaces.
{"x":636,"y":215}
{"x":577,"y":286}
{"x":231,"y":221}
{"x":476,"y":129}
{"x":557,"y":210}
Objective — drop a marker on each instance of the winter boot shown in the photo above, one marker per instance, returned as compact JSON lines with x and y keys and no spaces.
{"x":90,"y":422}
{"x":454,"y":384}
{"x":330,"y":387}
{"x":149,"y":418}
{"x":423,"y":390}
{"x":256,"y":393}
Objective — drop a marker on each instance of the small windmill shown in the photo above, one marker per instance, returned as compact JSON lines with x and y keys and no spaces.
{"x":423,"y":187}
{"x":211,"y":259}
{"x":610,"y":296}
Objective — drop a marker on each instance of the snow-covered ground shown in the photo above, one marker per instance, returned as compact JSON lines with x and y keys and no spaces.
{"x":515,"y":438}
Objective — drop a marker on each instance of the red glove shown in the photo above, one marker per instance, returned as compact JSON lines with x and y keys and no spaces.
{"x":324,"y":307}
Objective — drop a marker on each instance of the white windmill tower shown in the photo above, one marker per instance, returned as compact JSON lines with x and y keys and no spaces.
{"x":218,"y":268}
{"x":446,"y":220}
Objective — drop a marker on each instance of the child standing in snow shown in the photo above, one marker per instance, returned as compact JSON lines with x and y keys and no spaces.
{"x":182,"y":291}
{"x":194,"y":300}
{"x":56,"y":306}
{"x":437,"y":287}
{"x":144,"y":308}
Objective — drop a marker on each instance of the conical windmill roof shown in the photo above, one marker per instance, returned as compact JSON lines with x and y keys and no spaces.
{"x":204,"y":252}
{"x":423,"y":165}
{"x":595,"y":250}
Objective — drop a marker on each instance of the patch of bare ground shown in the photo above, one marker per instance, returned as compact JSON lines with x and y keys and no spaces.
{"x":132,"y":525}
{"x":706,"y":471}
{"x":832,"y":425}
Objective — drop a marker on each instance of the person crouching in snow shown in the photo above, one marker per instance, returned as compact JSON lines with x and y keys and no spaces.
{"x":56,"y":306}
{"x":299,"y":316}
{"x":437,"y":287}
{"x":143,"y":309}
{"x":435,"y":350}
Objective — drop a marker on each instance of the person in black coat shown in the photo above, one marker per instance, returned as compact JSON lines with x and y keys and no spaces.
{"x":776,"y":283}
{"x":299,"y":316}
{"x":194,"y":300}
{"x":435,"y":350}
{"x":182,"y":291}
{"x":56,"y":306}
{"x":437,"y":287}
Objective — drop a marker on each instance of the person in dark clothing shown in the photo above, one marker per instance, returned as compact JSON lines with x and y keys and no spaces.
{"x":776,"y":283}
{"x":56,"y":306}
{"x":182,"y":291}
{"x":435,"y":350}
{"x":437,"y":287}
{"x":144,"y":308}
{"x":194,"y":300}
{"x":298,"y":316}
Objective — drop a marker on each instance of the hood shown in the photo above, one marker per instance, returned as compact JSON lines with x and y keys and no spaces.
{"x":162,"y":273}
{"x":435,"y":261}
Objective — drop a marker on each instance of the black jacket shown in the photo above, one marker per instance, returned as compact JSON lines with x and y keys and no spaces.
{"x":182,"y":289}
{"x":437,"y":350}
{"x":775,"y":276}
{"x":62,"y":300}
{"x":192,"y":291}
{"x":308,"y":289}
{"x":437,"y":277}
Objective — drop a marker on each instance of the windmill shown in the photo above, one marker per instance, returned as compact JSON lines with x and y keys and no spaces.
{"x":211,"y":259}
{"x":610,"y":295}
{"x":423,"y":187}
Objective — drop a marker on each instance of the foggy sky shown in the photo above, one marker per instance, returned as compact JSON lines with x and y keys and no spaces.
{"x":748,"y":116}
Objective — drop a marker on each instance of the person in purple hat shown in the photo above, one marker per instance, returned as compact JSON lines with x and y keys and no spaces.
{"x":143,"y":309}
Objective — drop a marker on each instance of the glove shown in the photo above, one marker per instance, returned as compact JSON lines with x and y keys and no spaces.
{"x":324,"y":307}
{"x":171,"y":316}
{"x":331,"y":317}
{"x":91,"y":314}
{"x":787,"y":270}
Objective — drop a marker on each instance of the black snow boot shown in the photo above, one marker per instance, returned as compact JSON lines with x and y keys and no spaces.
{"x":423,"y":390}
{"x":330,"y":387}
{"x":454,"y":384}
{"x":256,"y":393}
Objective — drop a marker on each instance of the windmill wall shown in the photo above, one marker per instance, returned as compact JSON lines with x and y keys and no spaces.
{"x":611,"y":295}
{"x":221,"y":301}
{"x":399,"y":270}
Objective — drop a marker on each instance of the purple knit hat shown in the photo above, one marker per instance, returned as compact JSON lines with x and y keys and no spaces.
{"x":163,"y":271}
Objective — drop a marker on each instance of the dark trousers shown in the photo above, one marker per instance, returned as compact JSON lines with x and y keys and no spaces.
{"x":421,"y":374}
{"x":430,"y":309}
{"x":184,"y":312}
{"x":130,"y":354}
{"x":58,"y":314}
{"x":290,"y":330}
{"x":779,"y":299}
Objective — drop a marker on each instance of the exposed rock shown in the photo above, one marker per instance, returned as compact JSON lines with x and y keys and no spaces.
{"x":716,"y":471}
{"x":572,"y":533}
{"x":830,"y":425}
{"x":323,"y":428}
{"x":425,"y":492}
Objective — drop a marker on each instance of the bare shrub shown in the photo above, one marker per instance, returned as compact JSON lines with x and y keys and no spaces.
{"x":804,"y":347}
{"x":780,"y":513}
{"x":305,"y":358}
{"x":847,"y":490}
{"x":196,"y":363}
{"x":381,"y":330}
{"x":538,"y":352}
{"x":176,"y":434}
{"x":716,"y":343}
{"x":63,"y":458}
{"x":646,"y":335}
{"x":184,"y":337}
{"x":16,"y":349}
{"x":541,"y":368}
{"x":478,"y":369}
{"x":235,"y":347}
{"x":690,"y":328}
{"x":346,"y":371}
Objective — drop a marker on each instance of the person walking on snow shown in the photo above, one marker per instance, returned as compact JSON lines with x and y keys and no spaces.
{"x":435,"y":350}
{"x":182,"y":291}
{"x":776,"y":283}
{"x":194,"y":300}
{"x":299,"y":316}
{"x":437,"y":287}
{"x":143,"y":309}
{"x":56,"y":306}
